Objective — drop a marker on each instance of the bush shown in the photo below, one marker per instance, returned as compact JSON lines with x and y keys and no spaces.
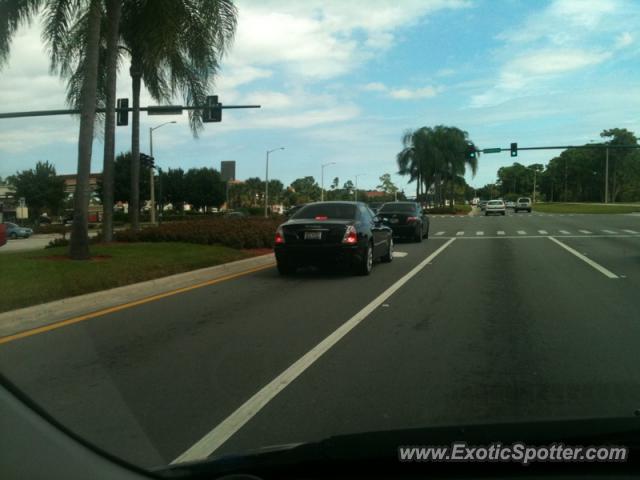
{"x":232,"y":232}
{"x":53,"y":228}
{"x":64,"y":242}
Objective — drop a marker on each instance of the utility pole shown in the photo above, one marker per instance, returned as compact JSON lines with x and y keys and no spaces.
{"x":606,"y":176}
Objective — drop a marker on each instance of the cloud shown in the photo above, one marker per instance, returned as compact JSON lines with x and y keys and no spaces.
{"x":374,"y":87}
{"x":409,"y":94}
{"x":623,"y":40}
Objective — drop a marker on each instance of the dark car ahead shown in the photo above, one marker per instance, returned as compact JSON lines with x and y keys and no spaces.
{"x":406,"y":219}
{"x":342,"y":233}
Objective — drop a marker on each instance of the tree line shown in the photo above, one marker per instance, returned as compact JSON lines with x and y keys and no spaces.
{"x":577,"y":174}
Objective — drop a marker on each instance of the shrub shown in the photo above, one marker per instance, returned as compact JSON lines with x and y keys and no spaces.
{"x":232,"y":232}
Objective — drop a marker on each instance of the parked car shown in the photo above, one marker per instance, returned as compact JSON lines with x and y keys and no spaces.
{"x":495,"y":207}
{"x":3,"y":234}
{"x":523,"y":203}
{"x":510,"y":204}
{"x":343,"y":233}
{"x":406,"y":219}
{"x":482,"y":204}
{"x":236,"y":214}
{"x":16,"y":231}
{"x":44,"y":220}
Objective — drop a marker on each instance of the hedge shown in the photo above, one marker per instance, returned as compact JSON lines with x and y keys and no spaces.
{"x":232,"y":232}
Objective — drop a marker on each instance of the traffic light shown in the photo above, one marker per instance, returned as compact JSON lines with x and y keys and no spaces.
{"x":471,"y":152}
{"x":122,"y":117}
{"x":212,"y":112}
{"x":146,"y":161}
{"x":514,"y":149}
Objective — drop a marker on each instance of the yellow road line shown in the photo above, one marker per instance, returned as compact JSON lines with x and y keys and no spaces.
{"x":117,"y":308}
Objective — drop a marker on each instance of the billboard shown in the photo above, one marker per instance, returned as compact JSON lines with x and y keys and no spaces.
{"x":228,"y":170}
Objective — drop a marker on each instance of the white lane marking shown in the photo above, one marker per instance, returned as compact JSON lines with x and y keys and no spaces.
{"x":587,"y":232}
{"x":459,"y":234}
{"x":234,"y":422}
{"x":521,"y":232}
{"x":440,"y":233}
{"x":609,"y":231}
{"x":629,"y":231}
{"x":480,"y":233}
{"x":600,"y":268}
{"x":400,"y":254}
{"x":542,"y":232}
{"x":500,"y":232}
{"x":564,"y":232}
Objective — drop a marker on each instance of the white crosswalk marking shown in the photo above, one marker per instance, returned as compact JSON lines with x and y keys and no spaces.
{"x":439,"y":233}
{"x":459,"y":234}
{"x":608,"y":231}
{"x":480,"y":233}
{"x":630,"y":231}
{"x":521,"y":232}
{"x":584,"y":231}
{"x":542,"y":232}
{"x":564,"y":232}
{"x":500,"y":232}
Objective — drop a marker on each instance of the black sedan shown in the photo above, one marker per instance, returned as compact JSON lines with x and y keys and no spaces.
{"x":406,"y":219}
{"x":343,"y":233}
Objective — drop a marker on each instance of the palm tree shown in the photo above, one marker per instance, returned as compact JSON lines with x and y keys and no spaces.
{"x":62,"y":17}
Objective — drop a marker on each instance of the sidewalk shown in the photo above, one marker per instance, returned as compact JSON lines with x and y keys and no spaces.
{"x":28,"y":318}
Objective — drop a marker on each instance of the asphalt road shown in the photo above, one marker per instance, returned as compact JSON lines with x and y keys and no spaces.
{"x":498,"y":318}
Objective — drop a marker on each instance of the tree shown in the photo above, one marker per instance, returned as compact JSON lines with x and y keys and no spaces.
{"x":387,"y":185}
{"x":41,"y":188}
{"x":204,"y":188}
{"x":306,"y":189}
{"x":173,"y":188}
{"x":122,"y":177}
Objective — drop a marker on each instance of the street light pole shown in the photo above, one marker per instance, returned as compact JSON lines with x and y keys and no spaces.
{"x":152,"y":188}
{"x":322,"y":179}
{"x":266,"y":183}
{"x":355,"y":196}
{"x":606,"y":176}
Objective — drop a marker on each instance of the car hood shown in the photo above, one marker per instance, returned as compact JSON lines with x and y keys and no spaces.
{"x":381,"y":447}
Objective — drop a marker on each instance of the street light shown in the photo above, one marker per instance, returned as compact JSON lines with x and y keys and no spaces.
{"x":322,"y":179}
{"x":355,"y":194}
{"x":266,"y":183}
{"x":152,"y":183}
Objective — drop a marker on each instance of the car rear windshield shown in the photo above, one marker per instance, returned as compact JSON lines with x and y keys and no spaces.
{"x":523,"y":200}
{"x":398,"y":207}
{"x":328,"y":211}
{"x":495,"y":202}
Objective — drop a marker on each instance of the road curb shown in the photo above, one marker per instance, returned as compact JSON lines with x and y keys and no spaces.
{"x":28,"y":318}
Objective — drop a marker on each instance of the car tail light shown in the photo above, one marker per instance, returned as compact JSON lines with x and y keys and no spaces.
{"x":321,"y":217}
{"x":412,"y":219}
{"x":350,"y":236}
{"x":279,"y":240}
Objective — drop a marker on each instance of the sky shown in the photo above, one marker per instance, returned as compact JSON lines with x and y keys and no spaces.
{"x":341,"y":81}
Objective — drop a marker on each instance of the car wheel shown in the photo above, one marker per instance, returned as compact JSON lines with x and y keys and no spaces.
{"x":13,"y":235}
{"x":388,"y":257}
{"x":418,"y":236}
{"x":365,"y":265}
{"x":285,"y":268}
{"x":504,"y":213}
{"x":426,"y":235}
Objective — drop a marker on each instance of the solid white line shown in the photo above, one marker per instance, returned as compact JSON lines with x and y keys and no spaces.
{"x":564,"y":232}
{"x":500,"y":232}
{"x":542,"y":232}
{"x":584,"y":231}
{"x":400,"y":254}
{"x":600,"y":268}
{"x":440,"y":233}
{"x":608,"y":231}
{"x":629,"y":231}
{"x":229,"y":426}
{"x":521,"y":232}
{"x":480,"y":233}
{"x":459,"y":234}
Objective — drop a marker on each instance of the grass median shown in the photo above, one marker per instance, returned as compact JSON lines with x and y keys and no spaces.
{"x":34,"y":277}
{"x":584,"y":208}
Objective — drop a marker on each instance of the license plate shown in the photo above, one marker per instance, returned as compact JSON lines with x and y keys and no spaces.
{"x":394,"y":220}
{"x":313,"y":235}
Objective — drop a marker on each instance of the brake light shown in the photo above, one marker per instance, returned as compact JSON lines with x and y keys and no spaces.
{"x":412,"y":219}
{"x":350,"y":236}
{"x":321,"y":217}
{"x":279,"y":240}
